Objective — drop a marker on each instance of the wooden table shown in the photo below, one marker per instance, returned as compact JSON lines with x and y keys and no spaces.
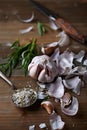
{"x":75,"y":11}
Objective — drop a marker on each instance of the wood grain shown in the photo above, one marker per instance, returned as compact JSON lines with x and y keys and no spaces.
{"x":11,"y":117}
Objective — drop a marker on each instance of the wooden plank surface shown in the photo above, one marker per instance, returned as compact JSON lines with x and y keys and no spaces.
{"x":75,"y":11}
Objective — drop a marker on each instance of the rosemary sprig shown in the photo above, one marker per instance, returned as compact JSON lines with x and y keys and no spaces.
{"x":27,"y":55}
{"x":20,"y":54}
{"x":41,"y":28}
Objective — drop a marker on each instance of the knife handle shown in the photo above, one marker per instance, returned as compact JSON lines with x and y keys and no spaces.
{"x":70,"y":30}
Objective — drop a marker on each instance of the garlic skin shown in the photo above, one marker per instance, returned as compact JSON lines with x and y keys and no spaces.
{"x":26,"y":20}
{"x":56,"y":89}
{"x":72,"y":109}
{"x":74,"y":84}
{"x":56,"y":122}
{"x":23,"y":31}
{"x":49,"y":48}
{"x":66,"y":100}
{"x":43,"y":69}
{"x":64,"y":40}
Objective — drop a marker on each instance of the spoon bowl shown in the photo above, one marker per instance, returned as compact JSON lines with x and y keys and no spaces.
{"x":23,"y":97}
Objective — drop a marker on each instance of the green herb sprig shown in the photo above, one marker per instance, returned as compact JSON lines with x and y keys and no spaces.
{"x":20,"y":54}
{"x":41,"y":28}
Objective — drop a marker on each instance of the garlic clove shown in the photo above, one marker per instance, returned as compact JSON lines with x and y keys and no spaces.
{"x":48,"y":50}
{"x":33,"y":71}
{"x":48,"y":106}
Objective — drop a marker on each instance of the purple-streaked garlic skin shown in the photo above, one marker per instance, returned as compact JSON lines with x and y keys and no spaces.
{"x":72,"y":109}
{"x":63,"y":41}
{"x":56,"y":89}
{"x":48,"y":106}
{"x":66,"y":100}
{"x":73,"y":83}
{"x":56,"y":122}
{"x":43,"y":69}
{"x":65,"y":62}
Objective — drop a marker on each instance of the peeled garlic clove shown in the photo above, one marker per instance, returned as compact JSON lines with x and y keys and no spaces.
{"x":48,"y":50}
{"x":48,"y":106}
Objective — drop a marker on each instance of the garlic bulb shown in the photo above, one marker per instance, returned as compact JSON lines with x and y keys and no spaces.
{"x":43,"y":69}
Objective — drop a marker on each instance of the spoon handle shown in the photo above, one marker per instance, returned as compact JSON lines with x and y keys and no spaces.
{"x":7,"y":80}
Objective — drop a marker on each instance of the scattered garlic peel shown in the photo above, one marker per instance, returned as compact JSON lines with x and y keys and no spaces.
{"x":56,"y":122}
{"x":53,"y":25}
{"x":79,"y":56}
{"x":49,"y":48}
{"x":66,"y":100}
{"x":74,"y":83}
{"x":56,"y":89}
{"x":42,"y":126}
{"x":64,"y":39}
{"x":26,"y":20}
{"x":23,"y":31}
{"x":65,"y":62}
{"x":72,"y":109}
{"x":42,"y":95}
{"x":78,"y":70}
{"x":31,"y":127}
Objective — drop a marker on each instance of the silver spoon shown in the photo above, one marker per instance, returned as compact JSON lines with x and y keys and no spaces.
{"x":24,"y":97}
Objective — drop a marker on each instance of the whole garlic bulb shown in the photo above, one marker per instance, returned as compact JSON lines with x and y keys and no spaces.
{"x":43,"y":69}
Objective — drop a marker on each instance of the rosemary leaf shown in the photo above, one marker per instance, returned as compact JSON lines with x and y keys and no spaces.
{"x":41,"y":28}
{"x":20,"y":54}
{"x":28,"y":55}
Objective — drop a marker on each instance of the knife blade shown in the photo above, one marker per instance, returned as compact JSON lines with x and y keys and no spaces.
{"x":65,"y":25}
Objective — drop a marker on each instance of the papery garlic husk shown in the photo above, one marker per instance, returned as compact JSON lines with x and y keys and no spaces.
{"x":42,"y":125}
{"x":72,"y":110}
{"x":26,"y":20}
{"x":73,"y":83}
{"x":63,"y":41}
{"x":23,"y":31}
{"x":43,"y":69}
{"x":31,"y":127}
{"x":56,"y":122}
{"x":65,"y":62}
{"x":56,"y":88}
{"x":66,"y":100}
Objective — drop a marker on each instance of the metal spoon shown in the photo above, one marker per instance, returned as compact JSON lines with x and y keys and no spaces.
{"x":24,"y":97}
